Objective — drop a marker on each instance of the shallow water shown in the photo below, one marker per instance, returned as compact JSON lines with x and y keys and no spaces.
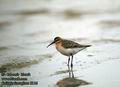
{"x":27,"y":27}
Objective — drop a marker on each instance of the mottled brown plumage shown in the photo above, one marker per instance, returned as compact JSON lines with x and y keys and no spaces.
{"x":71,"y":44}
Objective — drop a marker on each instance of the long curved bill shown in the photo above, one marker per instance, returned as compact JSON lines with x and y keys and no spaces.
{"x":51,"y":44}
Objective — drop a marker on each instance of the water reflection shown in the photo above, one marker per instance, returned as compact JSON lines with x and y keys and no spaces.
{"x":70,"y":70}
{"x":71,"y":81}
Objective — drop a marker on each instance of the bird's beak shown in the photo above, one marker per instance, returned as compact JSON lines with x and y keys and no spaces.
{"x":51,"y":44}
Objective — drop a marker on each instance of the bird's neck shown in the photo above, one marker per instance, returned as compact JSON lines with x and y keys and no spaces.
{"x":58,"y":44}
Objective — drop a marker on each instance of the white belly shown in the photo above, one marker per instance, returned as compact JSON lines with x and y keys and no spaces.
{"x":69,"y":51}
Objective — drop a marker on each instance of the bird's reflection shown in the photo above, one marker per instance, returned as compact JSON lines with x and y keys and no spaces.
{"x":70,"y":70}
{"x":71,"y":81}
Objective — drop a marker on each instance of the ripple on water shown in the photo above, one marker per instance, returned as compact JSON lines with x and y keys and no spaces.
{"x":3,"y":48}
{"x":23,"y":61}
{"x":110,"y":23}
{"x":32,"y":12}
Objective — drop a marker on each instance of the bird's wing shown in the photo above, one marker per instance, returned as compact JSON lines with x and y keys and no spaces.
{"x":71,"y":44}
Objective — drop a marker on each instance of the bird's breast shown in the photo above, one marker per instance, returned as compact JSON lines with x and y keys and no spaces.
{"x":67,"y":51}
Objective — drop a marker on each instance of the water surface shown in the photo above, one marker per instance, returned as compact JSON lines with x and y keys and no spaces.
{"x":27,"y":27}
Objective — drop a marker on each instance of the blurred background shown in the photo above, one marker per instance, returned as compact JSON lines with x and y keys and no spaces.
{"x":28,"y":26}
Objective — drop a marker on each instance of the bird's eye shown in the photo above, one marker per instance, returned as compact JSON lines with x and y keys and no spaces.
{"x":57,"y":39}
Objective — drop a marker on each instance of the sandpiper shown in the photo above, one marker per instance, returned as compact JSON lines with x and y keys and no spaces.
{"x":67,"y":47}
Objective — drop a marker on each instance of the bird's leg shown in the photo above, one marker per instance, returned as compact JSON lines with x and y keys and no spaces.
{"x":72,"y":72}
{"x":72,"y":61}
{"x":68,"y":60}
{"x":69,"y":71}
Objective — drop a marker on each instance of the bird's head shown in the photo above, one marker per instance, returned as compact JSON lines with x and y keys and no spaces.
{"x":56,"y":39}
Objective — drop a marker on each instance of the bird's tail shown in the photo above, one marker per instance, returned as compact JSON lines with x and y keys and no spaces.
{"x":88,"y":45}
